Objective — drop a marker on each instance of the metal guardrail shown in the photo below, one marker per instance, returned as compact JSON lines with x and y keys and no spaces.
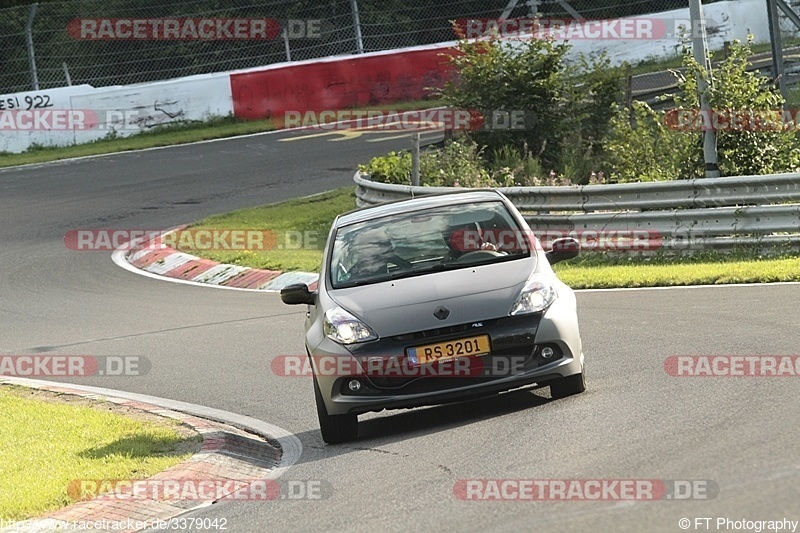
{"x":719,"y":213}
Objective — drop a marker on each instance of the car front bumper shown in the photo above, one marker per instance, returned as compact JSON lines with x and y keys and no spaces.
{"x":516,"y":360}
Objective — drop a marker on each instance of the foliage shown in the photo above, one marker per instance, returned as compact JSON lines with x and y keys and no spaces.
{"x":640,"y":147}
{"x":733,"y":87}
{"x":567,"y":106}
{"x":644,"y":148}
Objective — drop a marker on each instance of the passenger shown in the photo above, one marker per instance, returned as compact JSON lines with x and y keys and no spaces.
{"x":374,"y":252}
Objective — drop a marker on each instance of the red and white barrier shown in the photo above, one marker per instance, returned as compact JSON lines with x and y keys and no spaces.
{"x":340,"y":82}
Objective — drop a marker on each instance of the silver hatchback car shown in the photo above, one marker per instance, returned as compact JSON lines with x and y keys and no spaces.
{"x":436,"y":299}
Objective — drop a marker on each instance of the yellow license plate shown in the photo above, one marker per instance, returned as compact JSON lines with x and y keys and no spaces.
{"x":441,"y":351}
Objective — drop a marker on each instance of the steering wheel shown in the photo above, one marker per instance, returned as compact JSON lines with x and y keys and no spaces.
{"x":478,"y":254}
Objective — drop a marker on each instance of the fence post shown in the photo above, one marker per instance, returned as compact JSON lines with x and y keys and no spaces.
{"x":29,"y":42}
{"x":629,"y":92}
{"x":698,"y":32}
{"x":357,"y":26}
{"x":285,"y":35}
{"x":777,"y":47}
{"x":66,"y":73}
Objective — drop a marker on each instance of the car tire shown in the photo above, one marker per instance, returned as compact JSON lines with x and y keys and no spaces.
{"x":334,"y":428}
{"x":574,"y":384}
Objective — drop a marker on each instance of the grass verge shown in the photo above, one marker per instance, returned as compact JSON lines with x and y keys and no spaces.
{"x":47,"y":444}
{"x":678,"y":271}
{"x":302,"y":225}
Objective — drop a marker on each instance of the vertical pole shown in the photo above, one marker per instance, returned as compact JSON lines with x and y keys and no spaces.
{"x":66,"y":73}
{"x":415,"y":158}
{"x":701,"y":56}
{"x":29,"y":42}
{"x":777,"y":47}
{"x":629,"y":92}
{"x":357,"y":26}
{"x":285,"y":35}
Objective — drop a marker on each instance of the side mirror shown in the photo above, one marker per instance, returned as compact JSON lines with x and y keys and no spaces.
{"x":297,"y":294}
{"x":563,"y":249}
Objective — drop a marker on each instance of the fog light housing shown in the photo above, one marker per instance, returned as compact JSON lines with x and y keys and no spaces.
{"x":549,"y":352}
{"x":354,"y":385}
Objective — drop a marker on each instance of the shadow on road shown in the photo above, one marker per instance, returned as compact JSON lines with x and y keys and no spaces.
{"x":401,"y":425}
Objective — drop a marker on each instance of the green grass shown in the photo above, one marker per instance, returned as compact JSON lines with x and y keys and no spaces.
{"x":690,"y":272}
{"x":306,"y":219}
{"x":45,"y":445}
{"x":169,"y":135}
{"x":589,"y":271}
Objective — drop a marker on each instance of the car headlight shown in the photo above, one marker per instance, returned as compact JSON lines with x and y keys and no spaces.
{"x":536,"y":295}
{"x":344,"y":328}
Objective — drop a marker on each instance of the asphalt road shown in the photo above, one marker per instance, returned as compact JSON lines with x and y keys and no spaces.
{"x":214,"y":347}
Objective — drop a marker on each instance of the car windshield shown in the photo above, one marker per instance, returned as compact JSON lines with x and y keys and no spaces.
{"x":421,"y":242}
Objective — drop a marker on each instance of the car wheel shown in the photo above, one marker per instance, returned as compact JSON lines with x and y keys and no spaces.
{"x":334,"y":428}
{"x":574,"y":384}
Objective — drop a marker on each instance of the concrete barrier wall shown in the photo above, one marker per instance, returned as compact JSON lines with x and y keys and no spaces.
{"x":82,"y":113}
{"x":20,"y":111}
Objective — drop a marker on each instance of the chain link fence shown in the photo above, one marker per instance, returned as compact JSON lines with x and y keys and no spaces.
{"x":116,"y":42}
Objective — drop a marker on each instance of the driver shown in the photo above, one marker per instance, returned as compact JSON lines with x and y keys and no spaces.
{"x":464,"y":239}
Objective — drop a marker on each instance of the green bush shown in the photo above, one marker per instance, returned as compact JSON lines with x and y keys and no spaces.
{"x":642,"y":147}
{"x":744,"y":152}
{"x":395,"y":167}
{"x":458,"y":164}
{"x":565,"y":104}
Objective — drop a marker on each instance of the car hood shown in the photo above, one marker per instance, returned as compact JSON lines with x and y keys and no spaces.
{"x":407,"y":305}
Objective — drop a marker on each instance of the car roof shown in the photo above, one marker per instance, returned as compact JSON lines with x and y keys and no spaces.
{"x":416,"y":204}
